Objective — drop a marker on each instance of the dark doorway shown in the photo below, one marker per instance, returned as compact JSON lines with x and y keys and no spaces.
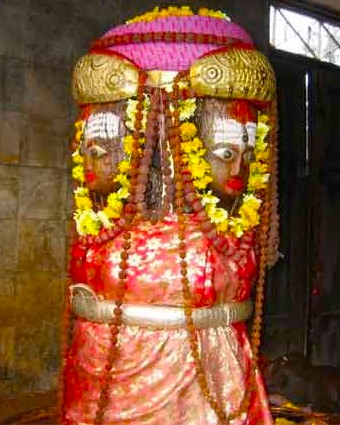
{"x":303,"y":293}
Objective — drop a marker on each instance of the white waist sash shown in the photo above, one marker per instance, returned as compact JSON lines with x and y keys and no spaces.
{"x":86,"y":304}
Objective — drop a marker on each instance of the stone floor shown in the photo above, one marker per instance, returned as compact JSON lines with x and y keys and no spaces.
{"x":38,"y":409}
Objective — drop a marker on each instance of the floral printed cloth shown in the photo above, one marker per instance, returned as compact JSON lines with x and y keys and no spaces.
{"x":154,"y":380}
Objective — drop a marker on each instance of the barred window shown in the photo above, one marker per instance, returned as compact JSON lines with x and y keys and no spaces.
{"x":301,"y":34}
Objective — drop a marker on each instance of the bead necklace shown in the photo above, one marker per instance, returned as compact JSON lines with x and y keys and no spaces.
{"x":89,"y":222}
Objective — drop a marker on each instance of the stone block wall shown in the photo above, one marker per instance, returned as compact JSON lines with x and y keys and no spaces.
{"x":39,"y":43}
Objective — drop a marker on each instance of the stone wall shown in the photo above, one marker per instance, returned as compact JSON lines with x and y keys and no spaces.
{"x":39,"y":43}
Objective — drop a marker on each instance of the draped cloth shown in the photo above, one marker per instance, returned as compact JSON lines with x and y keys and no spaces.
{"x":153,"y":380}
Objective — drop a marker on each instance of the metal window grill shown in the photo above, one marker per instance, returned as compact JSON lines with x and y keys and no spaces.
{"x":301,"y":34}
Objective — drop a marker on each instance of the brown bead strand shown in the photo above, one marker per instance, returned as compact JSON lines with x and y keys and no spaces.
{"x":146,"y":159}
{"x":179,"y":203}
{"x":206,"y":226}
{"x":274,"y":220}
{"x":262,"y":241}
{"x":130,"y":211}
{"x":255,"y":339}
{"x":98,"y":46}
{"x":262,"y":238}
{"x":167,"y":172}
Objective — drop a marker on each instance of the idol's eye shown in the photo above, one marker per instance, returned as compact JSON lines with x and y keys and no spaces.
{"x":226,"y":154}
{"x":96,"y":151}
{"x":249,"y":156}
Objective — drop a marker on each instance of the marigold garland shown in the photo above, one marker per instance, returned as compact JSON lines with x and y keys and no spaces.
{"x":89,"y":222}
{"x":172,"y":11}
{"x":248,"y":214}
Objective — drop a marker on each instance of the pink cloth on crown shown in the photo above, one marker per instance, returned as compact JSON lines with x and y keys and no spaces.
{"x":174,"y":56}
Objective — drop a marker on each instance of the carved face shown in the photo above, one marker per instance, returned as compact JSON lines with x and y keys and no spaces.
{"x":227,"y":128}
{"x":102,"y":147}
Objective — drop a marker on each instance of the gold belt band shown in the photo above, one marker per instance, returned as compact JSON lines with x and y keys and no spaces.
{"x":85,"y":304}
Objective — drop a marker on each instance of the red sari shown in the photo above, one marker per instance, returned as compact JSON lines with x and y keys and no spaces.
{"x":154,"y":379}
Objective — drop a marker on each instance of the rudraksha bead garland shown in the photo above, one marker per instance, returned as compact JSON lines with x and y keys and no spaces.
{"x":262,"y":236}
{"x":146,"y":159}
{"x":274,"y":219}
{"x":129,"y":215}
{"x":184,"y":193}
{"x":164,"y":36}
{"x":175,"y":141}
{"x":156,"y":132}
{"x":167,"y":172}
{"x":185,"y":188}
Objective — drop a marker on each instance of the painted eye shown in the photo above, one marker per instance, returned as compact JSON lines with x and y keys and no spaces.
{"x":97,"y":152}
{"x":224,"y":153}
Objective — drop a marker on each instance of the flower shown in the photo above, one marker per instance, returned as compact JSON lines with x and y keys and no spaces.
{"x":87,"y":223}
{"x":113,"y":212}
{"x":123,"y":180}
{"x":195,"y":145}
{"x":127,"y":143}
{"x":187,"y":109}
{"x":261,"y":132}
{"x":78,"y":173}
{"x":208,"y":198}
{"x":257,"y":181}
{"x":248,"y":214}
{"x":217,"y":215}
{"x":105,"y":219}
{"x":157,"y":13}
{"x":123,"y":192}
{"x":81,"y":191}
{"x":198,"y":167}
{"x":79,"y":126}
{"x":112,"y":199}
{"x":203,"y":182}
{"x":188,"y":130}
{"x":131,"y":110}
{"x":124,"y":166}
{"x":262,"y":155}
{"x":77,"y":158}
{"x":203,"y":11}
{"x":258,"y":167}
{"x":83,"y":203}
{"x":162,"y":13}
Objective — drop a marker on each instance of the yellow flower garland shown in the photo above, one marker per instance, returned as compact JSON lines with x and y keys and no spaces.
{"x":248,"y":216}
{"x":89,"y":222}
{"x":170,"y":11}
